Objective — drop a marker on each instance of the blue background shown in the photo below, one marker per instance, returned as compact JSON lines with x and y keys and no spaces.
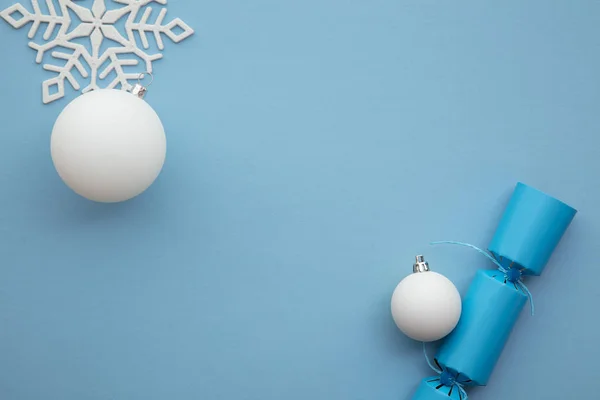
{"x":315,"y":147}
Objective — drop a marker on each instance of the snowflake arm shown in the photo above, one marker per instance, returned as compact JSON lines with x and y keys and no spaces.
{"x":37,"y":17}
{"x":111,"y":32}
{"x":156,"y":28}
{"x":122,"y":77}
{"x":82,"y":30}
{"x":64,"y":73}
{"x":74,"y":61}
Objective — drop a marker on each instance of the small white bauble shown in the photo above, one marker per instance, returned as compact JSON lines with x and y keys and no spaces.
{"x":108,"y":145}
{"x":426,"y":306}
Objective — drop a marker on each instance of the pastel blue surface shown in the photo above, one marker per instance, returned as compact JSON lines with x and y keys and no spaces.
{"x":490,"y":310}
{"x":530,"y":229}
{"x":315,"y":147}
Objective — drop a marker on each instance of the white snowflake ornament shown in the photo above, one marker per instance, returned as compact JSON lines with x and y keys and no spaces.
{"x":97,"y":23}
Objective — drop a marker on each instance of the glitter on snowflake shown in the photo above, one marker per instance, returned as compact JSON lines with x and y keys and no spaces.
{"x":97,"y":23}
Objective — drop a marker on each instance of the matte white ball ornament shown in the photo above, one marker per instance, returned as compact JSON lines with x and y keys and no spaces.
{"x":426,"y":306}
{"x":108,"y":145}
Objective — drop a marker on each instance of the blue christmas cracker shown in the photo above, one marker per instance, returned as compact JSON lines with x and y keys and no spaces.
{"x":531,"y":227}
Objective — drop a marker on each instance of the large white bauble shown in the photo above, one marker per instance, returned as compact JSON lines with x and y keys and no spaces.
{"x":108,"y":145}
{"x":426,"y":306}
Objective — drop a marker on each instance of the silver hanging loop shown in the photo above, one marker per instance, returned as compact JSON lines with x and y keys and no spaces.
{"x":140,"y":90}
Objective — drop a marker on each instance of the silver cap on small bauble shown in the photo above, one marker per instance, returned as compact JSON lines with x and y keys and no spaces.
{"x":420,"y":265}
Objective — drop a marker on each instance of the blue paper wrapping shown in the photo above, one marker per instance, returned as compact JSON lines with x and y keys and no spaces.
{"x":431,"y":389}
{"x":490,"y":310}
{"x":529,"y":231}
{"x":531,"y":227}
